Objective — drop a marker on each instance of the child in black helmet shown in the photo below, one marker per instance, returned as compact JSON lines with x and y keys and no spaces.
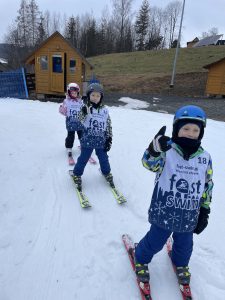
{"x":97,"y":134}
{"x":70,"y":108}
{"x":182,"y":192}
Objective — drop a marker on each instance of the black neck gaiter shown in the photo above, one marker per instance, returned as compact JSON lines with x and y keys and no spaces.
{"x":188,"y":146}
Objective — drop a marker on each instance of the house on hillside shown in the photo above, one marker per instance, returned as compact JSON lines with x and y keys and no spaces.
{"x":56,"y":62}
{"x":191,"y":43}
{"x":216,"y":78}
{"x":209,"y":40}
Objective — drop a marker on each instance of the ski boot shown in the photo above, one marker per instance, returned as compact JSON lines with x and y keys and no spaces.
{"x":141,"y":271}
{"x":183,"y":275}
{"x":78,"y":182}
{"x":109,"y":179}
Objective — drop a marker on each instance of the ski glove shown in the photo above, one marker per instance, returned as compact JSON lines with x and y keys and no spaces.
{"x":202,"y":220}
{"x":84,"y":110}
{"x":159,"y":143}
{"x":108,"y":144}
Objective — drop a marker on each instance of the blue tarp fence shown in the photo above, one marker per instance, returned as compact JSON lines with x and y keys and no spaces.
{"x":13,"y":84}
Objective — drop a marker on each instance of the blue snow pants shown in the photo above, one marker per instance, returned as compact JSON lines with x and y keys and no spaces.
{"x":84,"y":157}
{"x":156,"y":238}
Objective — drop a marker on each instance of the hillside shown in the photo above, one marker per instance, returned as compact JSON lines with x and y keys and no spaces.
{"x":150,"y":72}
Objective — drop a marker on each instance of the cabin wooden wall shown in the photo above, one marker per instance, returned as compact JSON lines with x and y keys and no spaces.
{"x":43,"y":77}
{"x":216,"y":79}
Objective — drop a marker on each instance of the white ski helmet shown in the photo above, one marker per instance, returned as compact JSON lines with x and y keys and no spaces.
{"x":73,"y":87}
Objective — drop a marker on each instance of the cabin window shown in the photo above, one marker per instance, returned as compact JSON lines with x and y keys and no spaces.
{"x":44,"y":62}
{"x":72,"y":65}
{"x":57,"y":64}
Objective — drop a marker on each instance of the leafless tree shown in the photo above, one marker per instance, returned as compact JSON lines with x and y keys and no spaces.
{"x":22,"y":24}
{"x":34,"y":20}
{"x":47,"y":22}
{"x":122,"y":19}
{"x":56,"y":22}
{"x":172,"y":13}
{"x":155,"y":29}
{"x":210,"y":32}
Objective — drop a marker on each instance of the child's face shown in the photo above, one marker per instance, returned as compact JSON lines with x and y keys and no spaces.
{"x":73,"y":94}
{"x":95,"y":97}
{"x":190,"y":131}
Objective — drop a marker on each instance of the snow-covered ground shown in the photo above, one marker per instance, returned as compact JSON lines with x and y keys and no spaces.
{"x":52,"y":249}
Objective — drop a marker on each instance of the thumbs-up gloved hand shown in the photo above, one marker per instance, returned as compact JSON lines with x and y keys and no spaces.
{"x":160,"y":143}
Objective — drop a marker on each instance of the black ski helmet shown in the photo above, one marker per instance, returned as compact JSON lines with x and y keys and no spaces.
{"x":95,"y":87}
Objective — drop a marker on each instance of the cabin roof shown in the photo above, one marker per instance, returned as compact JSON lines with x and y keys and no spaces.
{"x":214,"y":63}
{"x":209,"y":40}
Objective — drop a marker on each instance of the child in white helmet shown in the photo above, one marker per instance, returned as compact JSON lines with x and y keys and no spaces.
{"x":70,"y":108}
{"x":97,"y":134}
{"x":182,"y":193}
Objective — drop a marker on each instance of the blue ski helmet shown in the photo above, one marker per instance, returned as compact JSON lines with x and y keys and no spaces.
{"x":189,"y":114}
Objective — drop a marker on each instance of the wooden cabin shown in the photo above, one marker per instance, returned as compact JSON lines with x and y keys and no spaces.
{"x":56,"y":63}
{"x":216,"y":78}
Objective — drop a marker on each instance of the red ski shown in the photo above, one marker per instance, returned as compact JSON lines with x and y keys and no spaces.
{"x":143,"y":287}
{"x":185,"y":289}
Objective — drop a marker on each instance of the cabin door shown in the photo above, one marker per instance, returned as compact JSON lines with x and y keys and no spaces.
{"x":57,"y":72}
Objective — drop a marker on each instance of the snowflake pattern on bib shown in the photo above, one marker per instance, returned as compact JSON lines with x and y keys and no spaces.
{"x":95,"y":125}
{"x":177,"y":194}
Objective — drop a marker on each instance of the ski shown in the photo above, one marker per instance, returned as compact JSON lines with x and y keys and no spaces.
{"x":143,"y":287}
{"x":184,"y":289}
{"x":84,"y":202}
{"x":117,"y":195}
{"x":91,"y":159}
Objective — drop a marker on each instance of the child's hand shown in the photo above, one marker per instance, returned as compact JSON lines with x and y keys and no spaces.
{"x":160,"y":143}
{"x":202,"y":220}
{"x":62,"y":110}
{"x":108,"y":144}
{"x":84,"y":110}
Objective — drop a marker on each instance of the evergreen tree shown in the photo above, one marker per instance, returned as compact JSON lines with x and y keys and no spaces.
{"x":153,"y":42}
{"x":71,"y":33}
{"x":41,"y":33}
{"x":141,"y":25}
{"x":128,"y":40}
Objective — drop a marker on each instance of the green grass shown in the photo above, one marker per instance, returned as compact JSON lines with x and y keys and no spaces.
{"x":156,"y":63}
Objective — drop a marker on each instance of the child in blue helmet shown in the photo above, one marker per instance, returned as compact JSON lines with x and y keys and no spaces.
{"x":97,"y":134}
{"x":70,"y":108}
{"x":182,"y":192}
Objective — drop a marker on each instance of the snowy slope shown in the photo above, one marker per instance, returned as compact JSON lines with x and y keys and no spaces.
{"x":52,"y":249}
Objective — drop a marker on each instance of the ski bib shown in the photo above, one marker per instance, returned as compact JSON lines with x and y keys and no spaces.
{"x":95,"y":128}
{"x":73,"y":109}
{"x":177,"y":194}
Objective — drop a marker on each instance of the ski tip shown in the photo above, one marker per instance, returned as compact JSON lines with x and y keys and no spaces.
{"x":126,"y":236}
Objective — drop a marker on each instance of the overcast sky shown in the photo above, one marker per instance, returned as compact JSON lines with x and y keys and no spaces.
{"x":199,"y":15}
